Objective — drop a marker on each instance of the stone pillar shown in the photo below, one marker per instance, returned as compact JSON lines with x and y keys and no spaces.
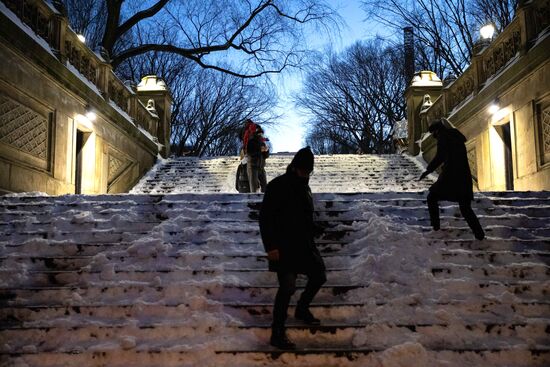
{"x":423,"y":83}
{"x":104,"y":71}
{"x":59,"y":26}
{"x":527,"y":24}
{"x":153,"y":87}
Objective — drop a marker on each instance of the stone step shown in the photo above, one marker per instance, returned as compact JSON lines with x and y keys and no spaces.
{"x":60,"y":249}
{"x":101,"y":201}
{"x":160,"y":272}
{"x":240,"y":232}
{"x":398,"y":355}
{"x":246,"y":220}
{"x":268,"y":356}
{"x":396,"y":311}
{"x":431,"y":336}
{"x":149,"y":274}
{"x":453,"y":289}
{"x":480,"y":258}
{"x":126,"y":261}
{"x":507,"y":272}
{"x":253,"y":256}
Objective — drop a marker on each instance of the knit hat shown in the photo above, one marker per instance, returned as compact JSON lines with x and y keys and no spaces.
{"x":303,"y":159}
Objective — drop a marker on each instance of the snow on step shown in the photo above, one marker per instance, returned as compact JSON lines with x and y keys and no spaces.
{"x":335,"y":173}
{"x":181,"y":280}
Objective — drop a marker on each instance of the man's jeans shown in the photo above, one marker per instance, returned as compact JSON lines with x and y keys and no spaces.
{"x":287,"y":287}
{"x":465,"y":208}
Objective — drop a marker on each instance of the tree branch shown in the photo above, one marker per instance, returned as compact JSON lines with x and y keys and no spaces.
{"x":144,"y":14}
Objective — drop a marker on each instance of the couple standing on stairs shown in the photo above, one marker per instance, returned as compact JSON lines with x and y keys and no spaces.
{"x":287,"y":227}
{"x":251,"y":176}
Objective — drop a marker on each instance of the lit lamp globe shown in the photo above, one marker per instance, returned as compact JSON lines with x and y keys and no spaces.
{"x":92,"y":116}
{"x":487,"y":31}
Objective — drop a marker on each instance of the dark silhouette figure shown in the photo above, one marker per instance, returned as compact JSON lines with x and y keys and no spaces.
{"x":455,"y":181}
{"x":255,"y":158}
{"x":287,"y":229}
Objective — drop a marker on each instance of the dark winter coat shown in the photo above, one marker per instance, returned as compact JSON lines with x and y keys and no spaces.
{"x":455,"y":180}
{"x":286,"y":224}
{"x":254,"y":151}
{"x":241,"y":179}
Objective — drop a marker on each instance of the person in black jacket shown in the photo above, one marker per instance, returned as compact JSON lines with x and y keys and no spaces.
{"x":455,"y":181}
{"x":287,"y":230}
{"x":254,"y":158}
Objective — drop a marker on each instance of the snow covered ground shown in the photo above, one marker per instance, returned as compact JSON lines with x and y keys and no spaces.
{"x":181,"y":280}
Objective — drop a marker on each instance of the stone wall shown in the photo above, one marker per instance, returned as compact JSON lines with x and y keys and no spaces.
{"x":49,"y":83}
{"x":513,"y":73}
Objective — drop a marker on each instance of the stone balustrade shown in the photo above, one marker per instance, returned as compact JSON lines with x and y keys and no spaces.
{"x":516,"y":39}
{"x":52,"y":26}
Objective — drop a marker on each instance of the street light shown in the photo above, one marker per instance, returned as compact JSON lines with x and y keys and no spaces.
{"x":494,"y":107}
{"x":487,"y":31}
{"x":91,"y":115}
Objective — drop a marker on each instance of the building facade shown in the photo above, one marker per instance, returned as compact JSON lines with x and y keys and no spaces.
{"x":67,"y":123}
{"x":501,"y":103}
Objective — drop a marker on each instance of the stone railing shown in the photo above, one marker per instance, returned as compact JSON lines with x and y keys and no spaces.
{"x":458,"y":91}
{"x":505,"y":47}
{"x":517,"y":38}
{"x":49,"y":24}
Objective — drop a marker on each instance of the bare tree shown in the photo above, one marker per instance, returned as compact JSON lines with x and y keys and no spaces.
{"x":354,"y":99}
{"x":211,"y":117}
{"x":86,"y":18}
{"x":445,"y":30}
{"x":209,"y":108}
{"x":500,"y":12}
{"x":263,"y":36}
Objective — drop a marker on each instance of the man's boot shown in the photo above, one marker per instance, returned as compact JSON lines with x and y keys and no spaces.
{"x":433,"y":209}
{"x":303,"y":313}
{"x":280,"y":340}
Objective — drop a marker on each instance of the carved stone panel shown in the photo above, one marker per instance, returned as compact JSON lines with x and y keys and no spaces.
{"x":544,"y":122}
{"x":118,"y":164}
{"x":24,"y":129}
{"x":472,"y":160}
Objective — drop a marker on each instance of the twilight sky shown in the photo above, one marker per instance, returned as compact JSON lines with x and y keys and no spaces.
{"x":289,"y":135}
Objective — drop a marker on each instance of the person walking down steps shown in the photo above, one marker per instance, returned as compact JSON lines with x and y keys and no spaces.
{"x":287,"y":231}
{"x":455,"y":181}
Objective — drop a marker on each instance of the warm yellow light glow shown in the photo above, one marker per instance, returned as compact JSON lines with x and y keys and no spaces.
{"x":499,"y":117}
{"x":487,"y":31}
{"x":84,"y":122}
{"x":494,"y":108}
{"x":91,"y":115}
{"x":81,"y":38}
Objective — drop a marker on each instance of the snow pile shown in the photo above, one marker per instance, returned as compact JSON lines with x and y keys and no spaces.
{"x":182,"y":274}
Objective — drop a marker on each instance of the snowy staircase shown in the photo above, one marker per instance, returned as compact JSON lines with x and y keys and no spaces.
{"x":334,"y":173}
{"x":181,"y":280}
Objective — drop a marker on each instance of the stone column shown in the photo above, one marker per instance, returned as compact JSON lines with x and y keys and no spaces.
{"x":153,"y":87}
{"x":59,"y":26}
{"x":423,"y":83}
{"x":527,"y":24}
